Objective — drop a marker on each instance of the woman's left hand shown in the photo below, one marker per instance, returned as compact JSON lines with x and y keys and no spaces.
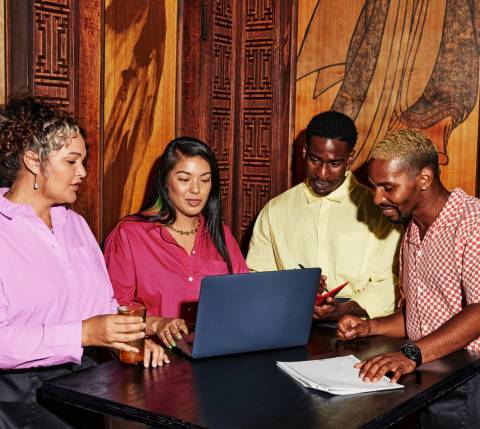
{"x":170,"y":330}
{"x":154,"y":355}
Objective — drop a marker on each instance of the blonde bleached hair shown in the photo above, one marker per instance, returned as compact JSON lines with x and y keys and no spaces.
{"x":410,"y":148}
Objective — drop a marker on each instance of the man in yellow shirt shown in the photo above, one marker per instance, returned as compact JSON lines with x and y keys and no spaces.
{"x":330,"y":221}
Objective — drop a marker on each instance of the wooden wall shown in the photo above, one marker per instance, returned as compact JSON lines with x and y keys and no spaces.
{"x":139,"y":102}
{"x":246,"y":77}
{"x":390,"y":65}
{"x":44,"y":40}
{"x":235,"y":94}
{"x":2,"y":53}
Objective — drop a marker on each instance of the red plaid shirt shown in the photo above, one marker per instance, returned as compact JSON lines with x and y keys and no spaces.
{"x":440,"y":274}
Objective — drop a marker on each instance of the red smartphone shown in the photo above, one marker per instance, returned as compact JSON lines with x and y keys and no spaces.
{"x":321,"y":298}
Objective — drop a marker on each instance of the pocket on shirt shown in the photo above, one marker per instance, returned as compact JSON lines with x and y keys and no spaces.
{"x":350,"y":252}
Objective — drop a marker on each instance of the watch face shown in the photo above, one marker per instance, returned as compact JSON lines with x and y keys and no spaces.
{"x":412,"y":352}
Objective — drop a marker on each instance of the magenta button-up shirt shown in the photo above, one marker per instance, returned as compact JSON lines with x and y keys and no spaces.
{"x":49,"y":283}
{"x":145,"y":263}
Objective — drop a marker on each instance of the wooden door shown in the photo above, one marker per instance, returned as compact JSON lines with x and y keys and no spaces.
{"x":53,"y":54}
{"x":235,"y":94}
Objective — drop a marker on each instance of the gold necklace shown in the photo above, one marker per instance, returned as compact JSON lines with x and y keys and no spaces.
{"x":181,"y":232}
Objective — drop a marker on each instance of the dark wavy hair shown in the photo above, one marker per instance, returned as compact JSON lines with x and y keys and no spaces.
{"x":27,"y":124}
{"x":164,"y":211}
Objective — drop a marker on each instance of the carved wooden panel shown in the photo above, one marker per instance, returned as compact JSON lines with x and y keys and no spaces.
{"x":222,"y":107}
{"x":42,"y":51}
{"x":44,"y":38}
{"x":54,"y":43}
{"x":235,"y":95}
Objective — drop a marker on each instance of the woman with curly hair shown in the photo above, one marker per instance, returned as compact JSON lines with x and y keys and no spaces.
{"x":55,"y":295}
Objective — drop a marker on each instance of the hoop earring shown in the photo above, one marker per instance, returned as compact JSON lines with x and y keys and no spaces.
{"x":35,"y":184}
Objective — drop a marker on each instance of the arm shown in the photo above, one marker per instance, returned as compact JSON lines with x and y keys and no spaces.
{"x":25,"y":345}
{"x":456,"y":333}
{"x":261,"y":256}
{"x":120,"y":264}
{"x":350,"y":327}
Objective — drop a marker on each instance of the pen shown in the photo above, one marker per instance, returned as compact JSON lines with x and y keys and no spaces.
{"x":301,"y":266}
{"x":332,"y":293}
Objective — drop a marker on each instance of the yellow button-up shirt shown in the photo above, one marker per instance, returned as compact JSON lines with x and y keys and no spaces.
{"x":344,"y":233}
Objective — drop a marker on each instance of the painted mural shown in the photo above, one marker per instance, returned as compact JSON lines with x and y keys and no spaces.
{"x":391,"y":65}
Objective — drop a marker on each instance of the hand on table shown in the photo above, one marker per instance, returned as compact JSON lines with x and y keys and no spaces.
{"x":169,"y":330}
{"x":112,"y":330}
{"x":349,"y":327}
{"x":154,"y":355}
{"x":376,"y":367}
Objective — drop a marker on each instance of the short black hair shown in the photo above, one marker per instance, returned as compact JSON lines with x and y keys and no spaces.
{"x":333,"y":125}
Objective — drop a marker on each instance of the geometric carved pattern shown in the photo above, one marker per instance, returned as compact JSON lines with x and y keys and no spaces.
{"x":259,"y":14}
{"x":256,"y":164}
{"x":257,"y":136}
{"x":256,"y":191}
{"x":258,"y":68}
{"x":53,"y":53}
{"x":241,"y":59}
{"x":222,"y":78}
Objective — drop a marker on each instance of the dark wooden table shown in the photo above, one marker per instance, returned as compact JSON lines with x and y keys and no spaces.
{"x":249,"y":391}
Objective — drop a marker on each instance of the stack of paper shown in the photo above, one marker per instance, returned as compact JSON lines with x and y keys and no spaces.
{"x":336,"y":376}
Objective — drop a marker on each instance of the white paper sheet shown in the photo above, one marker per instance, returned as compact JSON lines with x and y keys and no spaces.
{"x":336,"y":376}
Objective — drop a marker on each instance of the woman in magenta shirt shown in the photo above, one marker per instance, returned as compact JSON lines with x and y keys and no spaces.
{"x":160,"y":256}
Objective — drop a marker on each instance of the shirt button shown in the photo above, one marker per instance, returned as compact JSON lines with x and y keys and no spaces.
{"x":419,"y":252}
{"x":193,"y":252}
{"x":190,"y":279}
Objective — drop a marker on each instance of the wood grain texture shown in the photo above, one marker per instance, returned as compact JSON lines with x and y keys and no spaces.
{"x":392,"y":65}
{"x":89,"y":102}
{"x":45,"y":39}
{"x":140,"y":67}
{"x":235,"y":95}
{"x":250,"y":391}
{"x":3,"y":75}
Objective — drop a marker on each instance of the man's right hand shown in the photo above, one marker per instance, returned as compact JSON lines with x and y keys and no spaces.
{"x":349,"y":327}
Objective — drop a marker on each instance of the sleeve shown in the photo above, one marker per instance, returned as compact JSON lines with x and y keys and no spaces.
{"x":30,"y":345}
{"x":378,"y":298}
{"x":238,"y":261}
{"x":120,"y":264}
{"x":111,"y":305}
{"x":260,"y":255}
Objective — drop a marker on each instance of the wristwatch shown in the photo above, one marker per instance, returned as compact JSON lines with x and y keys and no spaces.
{"x":412,"y":352}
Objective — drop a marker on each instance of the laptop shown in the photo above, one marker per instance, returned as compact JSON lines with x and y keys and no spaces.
{"x":249,"y":312}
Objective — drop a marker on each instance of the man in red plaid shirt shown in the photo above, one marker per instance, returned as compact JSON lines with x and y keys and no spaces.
{"x":439,"y":273}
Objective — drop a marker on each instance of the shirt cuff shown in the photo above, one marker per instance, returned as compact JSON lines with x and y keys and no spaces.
{"x":65,"y":340}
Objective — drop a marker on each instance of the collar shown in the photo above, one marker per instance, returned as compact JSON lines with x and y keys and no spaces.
{"x":453,"y":209}
{"x":158,"y":225}
{"x":449,"y":215}
{"x":10,"y":210}
{"x":338,"y":195}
